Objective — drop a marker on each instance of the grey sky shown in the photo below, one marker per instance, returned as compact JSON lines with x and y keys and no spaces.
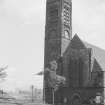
{"x":22,"y":36}
{"x":89,"y":20}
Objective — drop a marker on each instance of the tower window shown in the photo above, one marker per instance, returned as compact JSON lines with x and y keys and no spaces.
{"x":66,"y":7}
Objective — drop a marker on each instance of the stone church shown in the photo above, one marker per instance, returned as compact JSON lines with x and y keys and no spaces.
{"x":81,"y":63}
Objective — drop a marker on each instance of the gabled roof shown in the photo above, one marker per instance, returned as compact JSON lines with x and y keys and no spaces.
{"x":96,"y":66}
{"x":98,"y":53}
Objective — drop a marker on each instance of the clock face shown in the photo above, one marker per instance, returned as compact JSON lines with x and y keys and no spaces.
{"x":66,"y":34}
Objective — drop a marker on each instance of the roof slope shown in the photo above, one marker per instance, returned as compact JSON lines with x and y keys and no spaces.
{"x":98,"y":53}
{"x":96,"y":66}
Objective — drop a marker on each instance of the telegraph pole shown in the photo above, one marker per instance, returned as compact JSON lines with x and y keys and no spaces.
{"x":32,"y":93}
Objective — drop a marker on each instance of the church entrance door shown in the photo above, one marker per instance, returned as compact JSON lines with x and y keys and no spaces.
{"x":76,"y":100}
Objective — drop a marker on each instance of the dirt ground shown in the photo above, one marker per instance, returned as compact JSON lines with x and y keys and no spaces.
{"x":21,"y":104}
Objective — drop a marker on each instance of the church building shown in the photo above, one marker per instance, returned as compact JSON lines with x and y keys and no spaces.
{"x":81,"y":63}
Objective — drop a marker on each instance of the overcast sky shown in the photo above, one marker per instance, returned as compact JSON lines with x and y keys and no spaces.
{"x":22,"y":36}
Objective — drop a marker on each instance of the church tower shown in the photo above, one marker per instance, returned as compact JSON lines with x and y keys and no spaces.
{"x":58,"y":30}
{"x":58,"y":33}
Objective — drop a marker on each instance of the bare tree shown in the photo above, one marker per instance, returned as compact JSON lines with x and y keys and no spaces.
{"x":52,"y":78}
{"x":3,"y":73}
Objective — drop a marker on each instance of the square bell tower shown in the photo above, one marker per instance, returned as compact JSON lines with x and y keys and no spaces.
{"x":58,"y":33}
{"x":58,"y":30}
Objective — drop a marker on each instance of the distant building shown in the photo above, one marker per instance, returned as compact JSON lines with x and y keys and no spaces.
{"x":79,"y":60}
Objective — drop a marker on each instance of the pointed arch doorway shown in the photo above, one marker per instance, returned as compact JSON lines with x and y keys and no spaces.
{"x":76,"y":100}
